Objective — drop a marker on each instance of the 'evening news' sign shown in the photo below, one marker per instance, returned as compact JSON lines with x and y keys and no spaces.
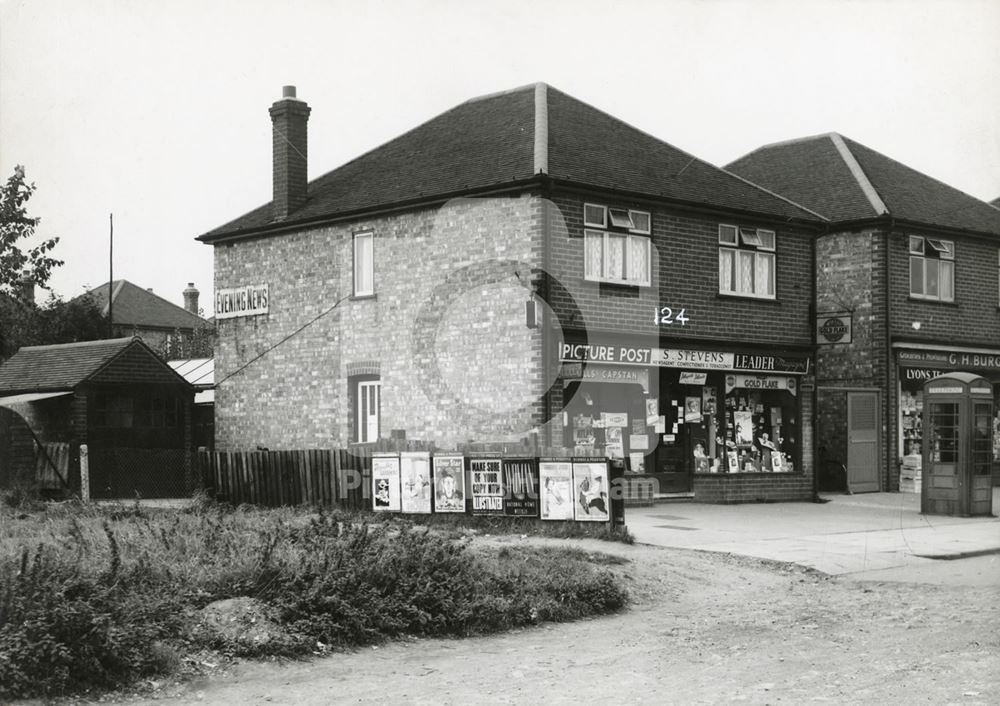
{"x":248,"y":300}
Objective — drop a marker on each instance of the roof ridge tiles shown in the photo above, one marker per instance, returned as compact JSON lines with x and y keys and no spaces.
{"x":81,"y":344}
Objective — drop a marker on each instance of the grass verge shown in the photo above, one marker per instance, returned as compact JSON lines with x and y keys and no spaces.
{"x":95,"y":598}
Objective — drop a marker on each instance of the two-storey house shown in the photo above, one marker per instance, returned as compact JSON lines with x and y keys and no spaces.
{"x":524,"y":266}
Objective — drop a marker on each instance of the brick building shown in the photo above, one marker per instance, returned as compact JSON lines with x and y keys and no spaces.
{"x":906,"y":288}
{"x":524,"y":266}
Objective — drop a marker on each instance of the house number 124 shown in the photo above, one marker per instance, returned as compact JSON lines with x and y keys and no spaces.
{"x":665,"y":317}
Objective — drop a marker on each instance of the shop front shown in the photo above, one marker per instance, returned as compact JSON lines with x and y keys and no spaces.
{"x":915,"y":365}
{"x":677,"y":415}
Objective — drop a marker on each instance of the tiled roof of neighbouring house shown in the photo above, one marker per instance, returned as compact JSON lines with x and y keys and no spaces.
{"x":495,"y":140}
{"x":135,"y":306}
{"x":995,"y":202}
{"x":61,"y":366}
{"x":846,"y":181}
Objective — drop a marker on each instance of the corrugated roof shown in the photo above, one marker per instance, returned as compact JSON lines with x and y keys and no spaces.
{"x":57,"y":367}
{"x":490,"y":142}
{"x":200,"y":372}
{"x":135,"y":306}
{"x":848,"y":183}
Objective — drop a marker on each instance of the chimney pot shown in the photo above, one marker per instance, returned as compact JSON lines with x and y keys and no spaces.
{"x":26,"y":288}
{"x":288,"y":91}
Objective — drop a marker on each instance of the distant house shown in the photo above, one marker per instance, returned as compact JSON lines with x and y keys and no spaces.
{"x":171,"y":330}
{"x":115,"y":395}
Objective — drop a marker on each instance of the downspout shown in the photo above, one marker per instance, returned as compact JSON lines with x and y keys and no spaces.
{"x":540,"y":169}
{"x":815,"y":393}
{"x":889,"y":382}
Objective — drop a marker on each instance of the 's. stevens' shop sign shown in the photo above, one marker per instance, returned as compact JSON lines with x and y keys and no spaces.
{"x":248,"y":300}
{"x":681,"y":358}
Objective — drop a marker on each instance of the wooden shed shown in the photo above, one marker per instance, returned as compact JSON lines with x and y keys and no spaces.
{"x":130,"y":408}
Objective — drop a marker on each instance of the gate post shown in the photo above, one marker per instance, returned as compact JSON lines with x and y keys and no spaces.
{"x":84,"y":474}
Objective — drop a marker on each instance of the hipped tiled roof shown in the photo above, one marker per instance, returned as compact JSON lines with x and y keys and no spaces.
{"x":846,"y":181}
{"x":505,"y":138}
{"x":135,"y":306}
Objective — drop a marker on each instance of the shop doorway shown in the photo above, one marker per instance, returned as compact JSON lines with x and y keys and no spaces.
{"x":863,"y":451}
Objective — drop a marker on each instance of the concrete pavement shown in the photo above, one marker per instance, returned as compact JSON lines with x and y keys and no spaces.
{"x":846,"y":535}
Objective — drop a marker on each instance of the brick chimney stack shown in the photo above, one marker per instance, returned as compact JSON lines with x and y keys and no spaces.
{"x":289,"y":149}
{"x":191,"y":298}
{"x":26,"y":288}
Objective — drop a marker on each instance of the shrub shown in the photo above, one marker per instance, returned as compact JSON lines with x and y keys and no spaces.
{"x":103,"y":597}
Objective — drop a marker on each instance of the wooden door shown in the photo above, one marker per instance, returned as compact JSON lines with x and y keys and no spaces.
{"x":863,"y":451}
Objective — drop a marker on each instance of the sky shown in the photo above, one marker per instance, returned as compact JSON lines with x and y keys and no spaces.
{"x":156,"y":112}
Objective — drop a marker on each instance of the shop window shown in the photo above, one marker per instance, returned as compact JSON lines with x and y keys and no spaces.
{"x":932,"y":268}
{"x":746,"y":261}
{"x":368,"y":405}
{"x":364,"y":264}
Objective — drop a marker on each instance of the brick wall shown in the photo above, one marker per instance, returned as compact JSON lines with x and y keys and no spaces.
{"x":446,"y":327}
{"x":685,"y":275}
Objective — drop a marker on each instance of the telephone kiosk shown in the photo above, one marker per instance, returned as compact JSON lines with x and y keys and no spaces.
{"x":958,"y":446}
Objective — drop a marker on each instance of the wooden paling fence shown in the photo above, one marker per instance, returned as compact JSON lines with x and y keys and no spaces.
{"x":306,"y":477}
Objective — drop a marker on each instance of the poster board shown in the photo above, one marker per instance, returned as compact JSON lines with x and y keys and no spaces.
{"x":449,"y":483}
{"x":520,"y":486}
{"x":415,"y":481}
{"x":385,"y":483}
{"x":556,"y":483}
{"x":590,"y":491}
{"x":486,"y":480}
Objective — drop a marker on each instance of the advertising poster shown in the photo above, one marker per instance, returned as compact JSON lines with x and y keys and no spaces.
{"x":637,"y":462}
{"x":385,"y":483}
{"x":487,"y":486}
{"x":449,"y":484}
{"x":709,"y":404}
{"x":556,"y":482}
{"x":590,"y":491}
{"x":615,"y":419}
{"x":415,"y":477}
{"x":520,"y":482}
{"x":744,"y":427}
{"x":638,"y":442}
{"x":652,"y":411}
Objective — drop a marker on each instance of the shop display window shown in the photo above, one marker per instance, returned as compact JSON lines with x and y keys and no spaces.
{"x":761,"y":431}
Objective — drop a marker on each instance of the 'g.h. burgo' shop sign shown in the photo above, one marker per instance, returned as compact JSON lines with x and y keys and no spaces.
{"x":688,"y":359}
{"x":247,"y":300}
{"x":949,"y":360}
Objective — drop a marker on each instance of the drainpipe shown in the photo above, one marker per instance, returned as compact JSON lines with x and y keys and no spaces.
{"x":889,"y":382}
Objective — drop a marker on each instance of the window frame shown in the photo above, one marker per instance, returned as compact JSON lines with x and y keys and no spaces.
{"x":648,"y":230}
{"x":603,"y":224}
{"x":629,"y":238}
{"x":357,"y":238}
{"x":944,"y":254}
{"x":733,"y":239}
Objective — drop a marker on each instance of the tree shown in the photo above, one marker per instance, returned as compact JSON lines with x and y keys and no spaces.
{"x":25,"y":324}
{"x":16,"y":226}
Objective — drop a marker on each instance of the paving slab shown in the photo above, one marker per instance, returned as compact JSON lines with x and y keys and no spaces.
{"x":844,"y":534}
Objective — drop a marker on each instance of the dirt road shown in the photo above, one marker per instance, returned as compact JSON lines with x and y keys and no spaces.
{"x":703,"y":628}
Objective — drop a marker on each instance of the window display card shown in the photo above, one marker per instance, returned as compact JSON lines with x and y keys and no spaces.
{"x":638,"y":442}
{"x":615,"y":419}
{"x":652,"y":411}
{"x":661,"y":425}
{"x":637,"y":463}
{"x":734,"y":463}
{"x":669,"y":438}
{"x":692,"y":409}
{"x":638,"y":426}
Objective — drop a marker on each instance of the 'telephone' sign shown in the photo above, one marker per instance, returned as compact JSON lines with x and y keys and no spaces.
{"x":248,"y":300}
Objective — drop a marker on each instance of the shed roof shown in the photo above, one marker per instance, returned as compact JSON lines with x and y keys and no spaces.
{"x":64,"y":366}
